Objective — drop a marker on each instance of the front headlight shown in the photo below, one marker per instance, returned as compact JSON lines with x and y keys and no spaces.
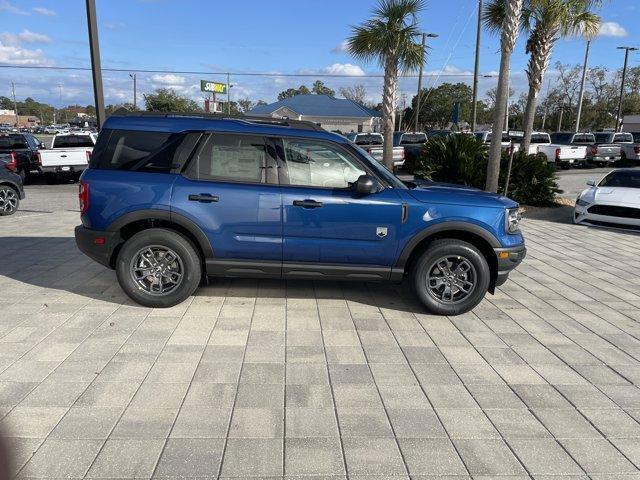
{"x":512,"y":220}
{"x":581,"y":202}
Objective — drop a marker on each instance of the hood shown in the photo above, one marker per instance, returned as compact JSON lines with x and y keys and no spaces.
{"x":437,"y":192}
{"x":625,"y":197}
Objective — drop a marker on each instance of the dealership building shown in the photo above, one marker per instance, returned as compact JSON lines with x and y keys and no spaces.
{"x":333,"y":114}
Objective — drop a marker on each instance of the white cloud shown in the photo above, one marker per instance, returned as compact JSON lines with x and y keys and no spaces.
{"x":26,"y":36}
{"x":168,"y":80}
{"x":449,"y":70}
{"x":612,"y":29}
{"x":114,"y":25}
{"x":16,"y":55}
{"x":343,"y":69}
{"x":6,"y":6}
{"x":44,"y":11}
{"x":340,"y":48}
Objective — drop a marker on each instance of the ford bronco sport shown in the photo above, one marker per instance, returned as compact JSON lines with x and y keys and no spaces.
{"x":170,"y":198}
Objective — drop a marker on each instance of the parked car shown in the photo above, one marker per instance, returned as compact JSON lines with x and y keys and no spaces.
{"x":11,"y":190}
{"x":168,"y":199}
{"x":567,"y":149}
{"x":607,"y":148}
{"x":437,"y":133}
{"x":373,"y":143}
{"x":412,"y":143}
{"x":615,"y":200}
{"x":485,"y":137}
{"x":21,"y":152}
{"x":630,"y":151}
{"x":68,"y":156}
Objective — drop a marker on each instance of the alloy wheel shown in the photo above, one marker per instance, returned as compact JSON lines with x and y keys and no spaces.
{"x":157,"y":270}
{"x":451,"y":279}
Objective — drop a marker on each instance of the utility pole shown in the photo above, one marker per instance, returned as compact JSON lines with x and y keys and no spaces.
{"x":134,"y":76}
{"x":15,"y":104}
{"x":228,"y":95}
{"x":96,"y":69}
{"x":424,"y":46}
{"x":584,"y":78}
{"x":560,"y":117}
{"x":624,"y":74}
{"x":62,"y":106}
{"x":474,"y":105}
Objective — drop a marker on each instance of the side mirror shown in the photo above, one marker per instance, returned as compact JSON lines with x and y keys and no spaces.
{"x":42,"y":145}
{"x":365,"y":185}
{"x":591,"y":183}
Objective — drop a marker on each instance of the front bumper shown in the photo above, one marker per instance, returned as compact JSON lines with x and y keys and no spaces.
{"x":508,"y":259}
{"x":97,"y":244}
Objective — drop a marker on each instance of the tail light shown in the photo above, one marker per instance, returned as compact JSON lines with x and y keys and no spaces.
{"x":594,"y":150}
{"x":83,"y":196}
{"x":88,"y":153}
{"x":13,"y":163}
{"x":557,"y":153}
{"x":402,"y":155}
{"x":39,"y":159}
{"x":636,"y":149}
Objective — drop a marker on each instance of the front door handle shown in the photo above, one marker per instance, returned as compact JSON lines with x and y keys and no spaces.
{"x":204,"y":197}
{"x":307,"y":203}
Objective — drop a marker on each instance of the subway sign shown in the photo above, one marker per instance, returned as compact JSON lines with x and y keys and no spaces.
{"x":213,"y":87}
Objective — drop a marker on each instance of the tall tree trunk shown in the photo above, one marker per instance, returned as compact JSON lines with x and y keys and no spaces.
{"x":508,"y":38}
{"x":499,"y":112}
{"x":529,"y":117}
{"x":389,"y":110}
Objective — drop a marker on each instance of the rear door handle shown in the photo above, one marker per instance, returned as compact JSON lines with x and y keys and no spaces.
{"x":204,"y":197}
{"x":307,"y":203}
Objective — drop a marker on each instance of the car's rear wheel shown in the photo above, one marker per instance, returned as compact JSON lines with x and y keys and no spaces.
{"x":158,"y":268}
{"x":9,"y":200}
{"x":451,"y":277}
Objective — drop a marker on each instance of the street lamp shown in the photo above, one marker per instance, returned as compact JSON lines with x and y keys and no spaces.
{"x":476,"y":69}
{"x":624,"y":74}
{"x":424,"y":44}
{"x":582,"y":82}
{"x":134,"y":78}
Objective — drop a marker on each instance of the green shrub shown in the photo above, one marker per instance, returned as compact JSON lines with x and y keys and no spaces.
{"x":463,"y":159}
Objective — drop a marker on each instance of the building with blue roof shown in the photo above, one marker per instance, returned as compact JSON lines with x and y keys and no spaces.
{"x":332,"y":114}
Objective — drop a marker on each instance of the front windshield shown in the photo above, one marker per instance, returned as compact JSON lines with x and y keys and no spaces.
{"x":621,"y":178}
{"x":379,"y":169}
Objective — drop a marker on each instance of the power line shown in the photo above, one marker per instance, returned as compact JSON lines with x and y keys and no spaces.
{"x":245,"y":74}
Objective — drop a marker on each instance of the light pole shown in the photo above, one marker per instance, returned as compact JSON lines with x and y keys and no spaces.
{"x":584,"y":78}
{"x":15,"y":104}
{"x":135,"y":95}
{"x":96,"y":69}
{"x":61,"y":106}
{"x":624,"y":74}
{"x":476,"y":69}
{"x":424,"y":46}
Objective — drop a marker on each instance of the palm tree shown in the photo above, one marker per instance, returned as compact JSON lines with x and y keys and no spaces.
{"x":389,"y":38}
{"x":547,"y":21}
{"x":509,"y":28}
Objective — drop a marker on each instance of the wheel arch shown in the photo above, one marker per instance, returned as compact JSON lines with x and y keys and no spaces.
{"x":134,"y":222}
{"x":477,"y":236}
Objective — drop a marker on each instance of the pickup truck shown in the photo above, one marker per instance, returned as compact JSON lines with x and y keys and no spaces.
{"x":20,"y":151}
{"x":485,"y":137}
{"x":412,"y":143}
{"x":630,"y":152}
{"x":567,"y":149}
{"x":607,"y":148}
{"x":373,"y":143}
{"x":68,"y":156}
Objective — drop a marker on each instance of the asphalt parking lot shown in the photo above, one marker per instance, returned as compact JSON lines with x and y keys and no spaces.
{"x":270,"y":379}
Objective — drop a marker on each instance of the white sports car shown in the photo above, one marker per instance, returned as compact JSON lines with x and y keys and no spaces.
{"x":615,"y":201}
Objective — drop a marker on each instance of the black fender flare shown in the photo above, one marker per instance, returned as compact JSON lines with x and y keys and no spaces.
{"x":443,"y":227}
{"x":157,"y":214}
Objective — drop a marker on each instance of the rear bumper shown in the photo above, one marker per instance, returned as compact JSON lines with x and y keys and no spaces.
{"x":508,"y":259}
{"x":603,"y":159}
{"x":97,"y":244}
{"x":64,"y":169}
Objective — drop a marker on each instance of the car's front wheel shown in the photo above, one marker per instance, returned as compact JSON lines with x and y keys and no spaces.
{"x":451,"y":277}
{"x":9,"y":200}
{"x":158,"y":268}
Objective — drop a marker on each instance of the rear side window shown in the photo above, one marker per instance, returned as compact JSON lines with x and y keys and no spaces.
{"x":229,"y":158}
{"x":72,"y":141}
{"x":410,"y":138}
{"x":142,"y":151}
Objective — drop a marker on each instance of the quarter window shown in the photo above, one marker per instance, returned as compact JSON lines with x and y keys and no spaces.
{"x":234,"y":158}
{"x":314,"y":164}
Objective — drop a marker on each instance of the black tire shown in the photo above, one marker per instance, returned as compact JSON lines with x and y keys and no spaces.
{"x":446,"y":248}
{"x":51,"y":178}
{"x":188,"y":261}
{"x":8,"y":207}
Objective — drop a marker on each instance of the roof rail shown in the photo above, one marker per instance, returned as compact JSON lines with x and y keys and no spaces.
{"x":284,"y":122}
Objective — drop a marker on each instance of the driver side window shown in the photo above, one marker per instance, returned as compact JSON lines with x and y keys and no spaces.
{"x":316,"y":164}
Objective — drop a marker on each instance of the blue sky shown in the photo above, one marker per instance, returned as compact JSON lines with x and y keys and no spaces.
{"x":276,"y":36}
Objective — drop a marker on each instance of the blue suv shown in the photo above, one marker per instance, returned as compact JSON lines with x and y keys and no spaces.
{"x":170,"y":198}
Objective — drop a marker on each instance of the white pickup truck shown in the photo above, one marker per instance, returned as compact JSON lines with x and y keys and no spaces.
{"x":567,"y":149}
{"x":373,"y":143}
{"x":68,"y":155}
{"x":631,"y":151}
